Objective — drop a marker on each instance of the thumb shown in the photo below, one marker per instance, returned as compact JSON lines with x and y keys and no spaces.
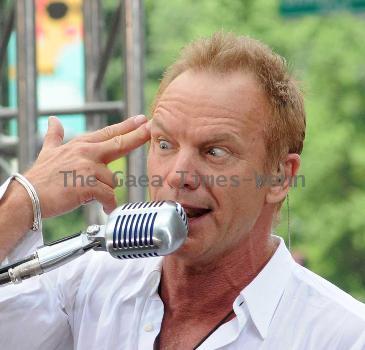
{"x":55,"y":133}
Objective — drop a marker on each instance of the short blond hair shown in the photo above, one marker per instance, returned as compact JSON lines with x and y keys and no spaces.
{"x":225,"y":52}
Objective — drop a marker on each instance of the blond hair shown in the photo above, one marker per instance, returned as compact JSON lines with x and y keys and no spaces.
{"x":284,"y":131}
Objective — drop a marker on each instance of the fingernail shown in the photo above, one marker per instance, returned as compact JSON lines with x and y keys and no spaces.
{"x":140,"y":119}
{"x":51,"y":117}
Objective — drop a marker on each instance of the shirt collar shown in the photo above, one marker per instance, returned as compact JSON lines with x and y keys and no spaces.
{"x":151,"y":275}
{"x":263,"y":294}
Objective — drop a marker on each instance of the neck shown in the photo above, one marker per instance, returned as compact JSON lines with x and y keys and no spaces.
{"x":214,"y":286}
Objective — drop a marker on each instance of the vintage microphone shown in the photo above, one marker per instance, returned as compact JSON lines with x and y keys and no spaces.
{"x":134,"y":230}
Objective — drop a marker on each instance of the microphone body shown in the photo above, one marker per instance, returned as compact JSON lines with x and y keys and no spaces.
{"x":134,"y":230}
{"x":144,"y":229}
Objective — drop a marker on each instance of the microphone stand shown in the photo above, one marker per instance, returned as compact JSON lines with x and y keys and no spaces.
{"x":51,"y":256}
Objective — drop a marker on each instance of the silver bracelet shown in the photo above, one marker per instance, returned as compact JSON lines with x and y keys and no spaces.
{"x":37,"y":220}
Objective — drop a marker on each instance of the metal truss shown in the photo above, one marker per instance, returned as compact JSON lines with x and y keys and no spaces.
{"x":127,"y":24}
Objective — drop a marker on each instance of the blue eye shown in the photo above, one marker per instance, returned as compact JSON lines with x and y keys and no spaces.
{"x":164,"y":144}
{"x":217,"y":152}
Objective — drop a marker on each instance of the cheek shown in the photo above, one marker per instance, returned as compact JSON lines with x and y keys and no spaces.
{"x":151,"y":172}
{"x":149,"y":164}
{"x":155,"y":167}
{"x":156,"y":172}
{"x":240,"y":203}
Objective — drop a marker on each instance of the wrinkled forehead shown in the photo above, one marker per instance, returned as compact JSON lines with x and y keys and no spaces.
{"x":232,"y":101}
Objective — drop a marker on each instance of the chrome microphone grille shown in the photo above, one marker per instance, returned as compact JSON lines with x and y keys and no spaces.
{"x":182,"y":213}
{"x":145,"y":229}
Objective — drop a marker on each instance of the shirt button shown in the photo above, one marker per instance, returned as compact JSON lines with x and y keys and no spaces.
{"x":148,"y":327}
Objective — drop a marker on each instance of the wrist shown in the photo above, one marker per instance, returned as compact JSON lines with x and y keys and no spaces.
{"x":37,"y":215}
{"x":17,"y":205}
{"x":16,"y":217}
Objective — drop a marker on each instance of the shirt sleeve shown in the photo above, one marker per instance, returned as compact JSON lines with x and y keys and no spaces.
{"x":32,"y":316}
{"x":35,"y":314}
{"x":39,"y":313}
{"x":360,"y":342}
{"x":28,"y":243}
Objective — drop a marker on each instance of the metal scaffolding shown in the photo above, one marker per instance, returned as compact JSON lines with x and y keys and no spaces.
{"x":19,"y":16}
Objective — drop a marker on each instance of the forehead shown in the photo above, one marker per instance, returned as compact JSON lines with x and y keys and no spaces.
{"x":207,"y":101}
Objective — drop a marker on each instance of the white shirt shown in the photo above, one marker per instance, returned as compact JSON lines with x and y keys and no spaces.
{"x":98,"y":302}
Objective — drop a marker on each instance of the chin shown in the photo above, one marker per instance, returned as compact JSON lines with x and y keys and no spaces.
{"x":191,"y":252}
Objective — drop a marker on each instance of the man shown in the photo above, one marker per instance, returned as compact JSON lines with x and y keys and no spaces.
{"x":227,"y":110}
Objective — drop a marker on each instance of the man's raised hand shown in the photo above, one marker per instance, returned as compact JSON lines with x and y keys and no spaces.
{"x":87,"y":156}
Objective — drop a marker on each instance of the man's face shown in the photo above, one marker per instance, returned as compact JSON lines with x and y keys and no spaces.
{"x":207,"y":145}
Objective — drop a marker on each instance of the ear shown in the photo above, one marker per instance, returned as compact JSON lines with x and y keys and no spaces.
{"x":282,"y":179}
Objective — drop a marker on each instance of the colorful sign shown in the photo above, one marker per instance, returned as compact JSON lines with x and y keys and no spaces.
{"x":60,"y":62}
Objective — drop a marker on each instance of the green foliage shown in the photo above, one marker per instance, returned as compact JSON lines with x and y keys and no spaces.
{"x":326,"y":54}
{"x":64,"y":225}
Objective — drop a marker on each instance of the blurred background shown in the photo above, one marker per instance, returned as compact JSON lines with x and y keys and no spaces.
{"x":324,"y":44}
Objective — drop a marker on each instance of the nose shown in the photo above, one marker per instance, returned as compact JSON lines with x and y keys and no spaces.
{"x":183,"y":174}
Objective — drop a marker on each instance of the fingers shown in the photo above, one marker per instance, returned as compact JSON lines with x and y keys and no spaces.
{"x":55,"y":133}
{"x":111,"y":131}
{"x":120,"y":145}
{"x":101,"y":192}
{"x":87,"y":156}
{"x":105,"y":175}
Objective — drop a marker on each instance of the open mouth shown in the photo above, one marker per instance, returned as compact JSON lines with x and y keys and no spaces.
{"x":194,"y":213}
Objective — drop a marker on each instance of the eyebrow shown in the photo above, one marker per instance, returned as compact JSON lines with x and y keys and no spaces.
{"x":215,"y":138}
{"x":221,"y":137}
